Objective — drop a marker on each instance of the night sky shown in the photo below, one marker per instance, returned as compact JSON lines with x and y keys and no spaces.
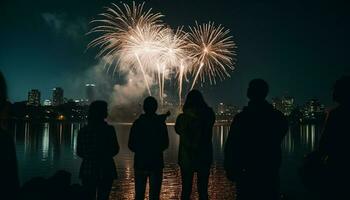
{"x":300,"y":47}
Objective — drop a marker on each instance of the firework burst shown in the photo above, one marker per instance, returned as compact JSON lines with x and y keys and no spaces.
{"x":131,"y":37}
{"x":122,"y":28}
{"x":212,"y":49}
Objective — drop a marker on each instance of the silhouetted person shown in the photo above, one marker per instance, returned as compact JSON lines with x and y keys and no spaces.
{"x":195,"y":128}
{"x":9,"y":183}
{"x":97,"y":145}
{"x":334,"y":144}
{"x":253,"y":146}
{"x":148,"y":139}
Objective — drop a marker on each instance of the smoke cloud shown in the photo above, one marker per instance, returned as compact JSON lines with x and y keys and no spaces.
{"x":133,"y":90}
{"x":127,"y":87}
{"x":61,"y":24}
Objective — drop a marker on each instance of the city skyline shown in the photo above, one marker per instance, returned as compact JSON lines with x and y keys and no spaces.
{"x":285,"y":104}
{"x":57,"y":97}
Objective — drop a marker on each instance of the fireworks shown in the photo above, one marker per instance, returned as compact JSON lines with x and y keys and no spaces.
{"x":212,"y":49}
{"x":133,"y":38}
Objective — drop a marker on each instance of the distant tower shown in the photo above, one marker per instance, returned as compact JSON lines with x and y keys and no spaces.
{"x":57,"y":96}
{"x":288,"y":105}
{"x":34,"y":97}
{"x":90,"y":92}
{"x":221,"y":108}
{"x":47,"y":102}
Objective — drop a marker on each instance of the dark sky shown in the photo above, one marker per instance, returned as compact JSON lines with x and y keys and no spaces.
{"x":300,"y":47}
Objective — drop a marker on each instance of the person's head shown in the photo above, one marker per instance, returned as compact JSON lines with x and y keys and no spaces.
{"x":194,"y":100}
{"x":257,"y":90}
{"x":98,"y":111}
{"x":3,"y":91}
{"x":341,"y":90}
{"x":150,"y":105}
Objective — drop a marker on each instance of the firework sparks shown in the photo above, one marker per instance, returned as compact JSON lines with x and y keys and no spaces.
{"x":212,"y":48}
{"x":120,"y":27}
{"x":133,"y":38}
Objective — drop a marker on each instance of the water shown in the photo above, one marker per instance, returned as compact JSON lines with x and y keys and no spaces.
{"x":45,"y":148}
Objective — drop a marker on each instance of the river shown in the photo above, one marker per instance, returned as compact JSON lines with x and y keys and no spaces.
{"x":45,"y":148}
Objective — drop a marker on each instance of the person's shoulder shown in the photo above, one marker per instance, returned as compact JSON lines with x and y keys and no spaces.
{"x":278,"y":114}
{"x":238,"y":118}
{"x":243,"y":114}
{"x":161,"y":119}
{"x":139,"y":119}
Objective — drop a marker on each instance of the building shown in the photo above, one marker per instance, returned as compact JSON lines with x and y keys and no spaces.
{"x":47,"y":102}
{"x":284,"y":104}
{"x":277,"y":103}
{"x":313,"y":109}
{"x":81,"y":102}
{"x":226,"y":109}
{"x":221,"y":108}
{"x":90,"y":92}
{"x":34,"y":97}
{"x":57,"y":96}
{"x":225,"y":112}
{"x":288,"y":105}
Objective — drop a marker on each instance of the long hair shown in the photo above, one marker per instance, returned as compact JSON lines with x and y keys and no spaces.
{"x":97,"y":112}
{"x":194,"y":101}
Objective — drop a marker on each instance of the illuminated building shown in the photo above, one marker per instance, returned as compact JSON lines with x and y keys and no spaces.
{"x":313,"y":109}
{"x":288,"y":105}
{"x":90,"y":92}
{"x":225,"y":112}
{"x":34,"y":97}
{"x":57,"y":96}
{"x":47,"y":102}
{"x":284,"y":104}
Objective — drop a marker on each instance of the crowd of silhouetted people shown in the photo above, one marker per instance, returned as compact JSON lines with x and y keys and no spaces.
{"x":252,"y":154}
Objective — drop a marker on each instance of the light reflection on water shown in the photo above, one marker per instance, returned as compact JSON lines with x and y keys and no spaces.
{"x":43,"y":149}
